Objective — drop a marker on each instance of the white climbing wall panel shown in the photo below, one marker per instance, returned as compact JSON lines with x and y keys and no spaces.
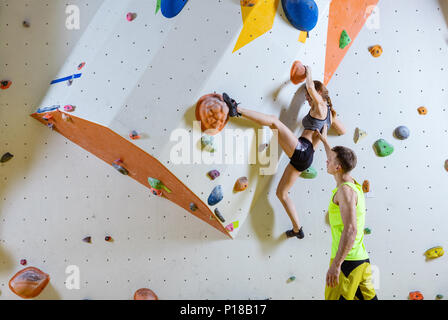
{"x":53,"y":193}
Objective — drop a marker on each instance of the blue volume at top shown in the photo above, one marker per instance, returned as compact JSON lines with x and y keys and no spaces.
{"x":302,"y":14}
{"x":171,"y":8}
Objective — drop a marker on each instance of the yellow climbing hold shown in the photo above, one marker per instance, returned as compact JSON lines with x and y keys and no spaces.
{"x":257,"y":20}
{"x":433,"y":253}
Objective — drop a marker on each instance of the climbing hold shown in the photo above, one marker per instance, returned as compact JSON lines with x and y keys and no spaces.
{"x":415,"y":295}
{"x":6,"y":157}
{"x":376,"y":51}
{"x":309,"y":173}
{"x":108,"y":238}
{"x":81,"y":65}
{"x":401,"y":132}
{"x":156,"y":192}
{"x":208,"y":143}
{"x":422,"y":110}
{"x":302,"y":14}
{"x":193,"y":207}
{"x":439,"y":297}
{"x":212,"y":112}
{"x":87,"y":239}
{"x":215,"y":196}
{"x":446,"y":165}
{"x":292,"y":278}
{"x":66,"y":117}
{"x":134,"y":135}
{"x":5,"y":84}
{"x":50,"y":125}
{"x":434,"y":253}
{"x":248,"y":3}
{"x":367,"y":231}
{"x":145,"y":294}
{"x":213,"y":174}
{"x":48,"y":109}
{"x":117,"y":165}
{"x":69,"y":108}
{"x":47,"y":116}
{"x":241,"y":184}
{"x":366,"y":186}
{"x":131,"y":16}
{"x":298,"y":72}
{"x":383,"y":148}
{"x":29,"y":282}
{"x":344,"y":40}
{"x":158,"y":185}
{"x":230,"y":227}
{"x":359,"y":134}
{"x":219,"y":215}
{"x":171,"y":8}
{"x":23,"y":262}
{"x":26,"y":24}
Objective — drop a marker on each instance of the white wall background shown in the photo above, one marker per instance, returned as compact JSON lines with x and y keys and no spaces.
{"x":53,"y":193}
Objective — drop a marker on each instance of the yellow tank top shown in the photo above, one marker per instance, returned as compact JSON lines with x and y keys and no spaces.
{"x":358,"y":252}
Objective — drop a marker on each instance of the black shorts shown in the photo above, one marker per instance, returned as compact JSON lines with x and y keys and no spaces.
{"x":303,"y":157}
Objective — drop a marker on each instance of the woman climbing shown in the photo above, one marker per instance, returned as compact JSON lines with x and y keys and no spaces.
{"x":301,"y":150}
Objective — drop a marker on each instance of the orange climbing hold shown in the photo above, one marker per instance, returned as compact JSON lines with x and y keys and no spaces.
{"x":376,"y":51}
{"x":5,"y":84}
{"x":366,"y":186}
{"x":29,"y":282}
{"x":145,"y":294}
{"x":298,"y":72}
{"x":212,"y":112}
{"x":241,"y":184}
{"x":415,"y":295}
{"x":422,"y":110}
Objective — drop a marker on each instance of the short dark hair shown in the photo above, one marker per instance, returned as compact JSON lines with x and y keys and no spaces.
{"x":346,"y":157}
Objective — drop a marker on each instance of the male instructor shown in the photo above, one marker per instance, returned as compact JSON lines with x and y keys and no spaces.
{"x":349,"y":276}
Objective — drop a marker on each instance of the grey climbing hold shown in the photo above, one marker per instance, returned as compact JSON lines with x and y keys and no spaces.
{"x":6,"y":157}
{"x":215,"y":196}
{"x":193,"y":207}
{"x":208,"y":143}
{"x":402,"y":132}
{"x":359,"y":134}
{"x":219,"y":215}
{"x":383,"y":148}
{"x":117,"y":165}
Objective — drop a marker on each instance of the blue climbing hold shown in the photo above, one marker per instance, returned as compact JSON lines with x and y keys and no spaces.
{"x":402,"y":132}
{"x":215,"y":196}
{"x":171,"y":8}
{"x":302,"y":14}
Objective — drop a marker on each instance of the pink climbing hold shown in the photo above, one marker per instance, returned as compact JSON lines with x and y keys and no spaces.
{"x":230,"y":227}
{"x":69,"y":108}
{"x":131,"y":16}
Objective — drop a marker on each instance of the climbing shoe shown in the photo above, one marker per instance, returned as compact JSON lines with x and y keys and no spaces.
{"x":291,"y":233}
{"x":232,"y":105}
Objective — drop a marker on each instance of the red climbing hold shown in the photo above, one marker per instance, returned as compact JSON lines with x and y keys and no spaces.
{"x":5,"y":84}
{"x":108,"y":238}
{"x":131,"y":16}
{"x":23,"y":262}
{"x":145,"y":294}
{"x":81,"y":65}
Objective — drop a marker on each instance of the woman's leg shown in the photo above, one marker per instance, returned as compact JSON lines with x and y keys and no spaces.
{"x":286,"y":182}
{"x":288,"y":141}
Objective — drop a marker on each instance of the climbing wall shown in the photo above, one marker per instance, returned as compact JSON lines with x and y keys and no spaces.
{"x":147,"y":75}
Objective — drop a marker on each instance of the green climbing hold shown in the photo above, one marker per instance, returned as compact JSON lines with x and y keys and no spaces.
{"x":383,"y":148}
{"x":309,"y":173}
{"x":158,"y":5}
{"x":157,"y":184}
{"x":344,"y":40}
{"x":367,"y":231}
{"x":439,"y":297}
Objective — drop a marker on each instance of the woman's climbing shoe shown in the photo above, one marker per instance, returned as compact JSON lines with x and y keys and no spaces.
{"x":232,"y":105}
{"x":291,"y":233}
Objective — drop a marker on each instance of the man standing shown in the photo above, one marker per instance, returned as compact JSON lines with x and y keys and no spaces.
{"x":350,"y":275}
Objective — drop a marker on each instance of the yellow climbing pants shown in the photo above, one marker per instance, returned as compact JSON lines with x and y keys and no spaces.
{"x":355,"y":282}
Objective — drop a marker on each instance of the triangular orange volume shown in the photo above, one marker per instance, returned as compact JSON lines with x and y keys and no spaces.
{"x":348,"y":15}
